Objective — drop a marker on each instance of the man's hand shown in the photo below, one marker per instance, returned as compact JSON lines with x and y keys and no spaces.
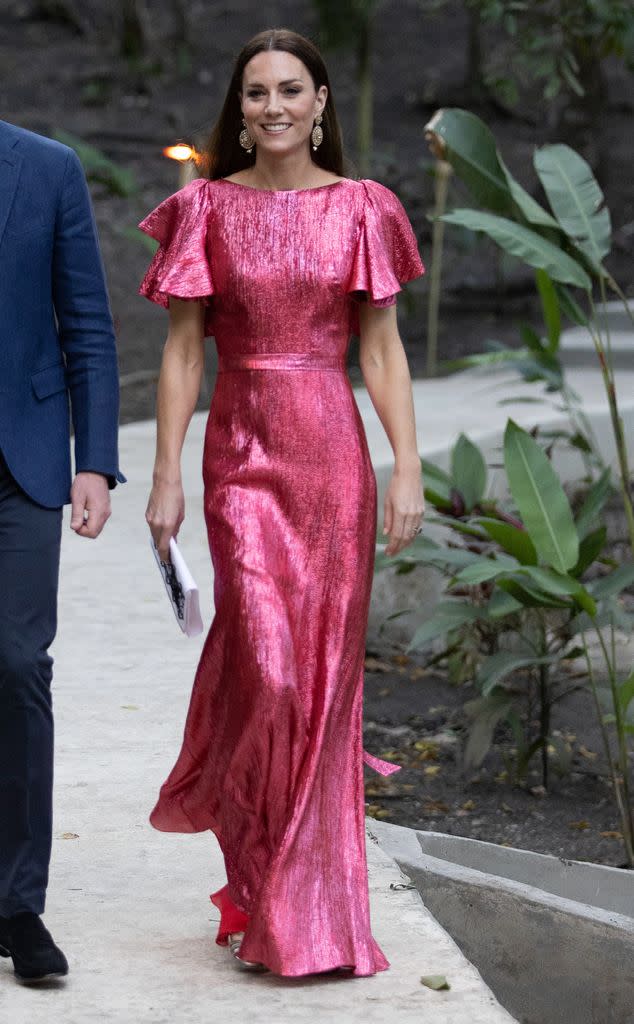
{"x":90,"y":497}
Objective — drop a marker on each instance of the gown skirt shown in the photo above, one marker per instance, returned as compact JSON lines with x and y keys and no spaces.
{"x":272,"y":757}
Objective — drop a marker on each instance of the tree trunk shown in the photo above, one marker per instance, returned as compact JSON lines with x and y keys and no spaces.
{"x":365,"y":102}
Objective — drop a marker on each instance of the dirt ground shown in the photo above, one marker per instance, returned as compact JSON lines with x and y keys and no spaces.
{"x":414,"y":717}
{"x":51,"y":78}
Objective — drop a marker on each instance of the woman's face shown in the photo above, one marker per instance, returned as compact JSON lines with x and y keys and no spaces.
{"x":279,"y":101}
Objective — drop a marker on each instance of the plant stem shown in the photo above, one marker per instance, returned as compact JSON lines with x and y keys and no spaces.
{"x":622,"y":745}
{"x":628,"y":839}
{"x":443,"y":174}
{"x":617,"y":422}
{"x":544,"y":718}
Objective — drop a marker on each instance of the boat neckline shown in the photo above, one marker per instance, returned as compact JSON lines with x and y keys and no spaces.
{"x":284,"y":191}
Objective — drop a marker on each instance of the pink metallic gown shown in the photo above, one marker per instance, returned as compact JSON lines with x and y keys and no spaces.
{"x":272,"y":755}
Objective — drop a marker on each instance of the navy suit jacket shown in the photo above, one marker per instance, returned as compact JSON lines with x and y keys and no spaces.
{"x":57,"y":345}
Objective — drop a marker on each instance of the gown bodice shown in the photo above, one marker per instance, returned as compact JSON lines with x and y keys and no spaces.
{"x":281,"y":271}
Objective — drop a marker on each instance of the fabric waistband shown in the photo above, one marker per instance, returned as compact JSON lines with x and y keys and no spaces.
{"x":280,"y":361}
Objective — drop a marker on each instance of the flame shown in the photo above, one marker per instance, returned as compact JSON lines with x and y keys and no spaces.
{"x":181,"y":152}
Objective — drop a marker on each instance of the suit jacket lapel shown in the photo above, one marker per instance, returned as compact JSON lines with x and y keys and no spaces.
{"x":10,"y":167}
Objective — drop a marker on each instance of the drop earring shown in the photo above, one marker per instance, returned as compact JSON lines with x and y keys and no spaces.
{"x":317,"y":134}
{"x":245,"y":139}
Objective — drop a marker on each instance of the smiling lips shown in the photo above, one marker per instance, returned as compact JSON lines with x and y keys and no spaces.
{"x":274,"y":129}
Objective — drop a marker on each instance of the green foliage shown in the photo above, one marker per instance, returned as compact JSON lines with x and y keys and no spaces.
{"x":524,"y":243}
{"x":98,"y":167}
{"x":541,"y":499}
{"x":554,"y":42}
{"x":576,"y":200}
{"x":518,"y":597}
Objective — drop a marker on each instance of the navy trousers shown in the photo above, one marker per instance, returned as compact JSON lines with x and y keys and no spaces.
{"x":30,"y":538}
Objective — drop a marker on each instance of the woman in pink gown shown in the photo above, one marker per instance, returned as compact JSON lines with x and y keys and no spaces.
{"x":281,"y":250}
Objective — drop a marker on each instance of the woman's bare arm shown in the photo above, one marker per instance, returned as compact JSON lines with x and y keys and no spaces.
{"x":177,"y":394}
{"x":386,"y":374}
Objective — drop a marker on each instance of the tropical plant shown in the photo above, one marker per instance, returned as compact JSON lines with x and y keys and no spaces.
{"x":569,"y":243}
{"x":561,"y":44}
{"x":98,"y":167}
{"x":519,"y":585}
{"x":538,"y":361}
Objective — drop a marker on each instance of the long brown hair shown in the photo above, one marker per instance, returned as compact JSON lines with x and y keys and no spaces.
{"x":223,"y":154}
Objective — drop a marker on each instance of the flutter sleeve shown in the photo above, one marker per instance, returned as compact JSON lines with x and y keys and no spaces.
{"x":181,"y":264}
{"x":386,"y":254}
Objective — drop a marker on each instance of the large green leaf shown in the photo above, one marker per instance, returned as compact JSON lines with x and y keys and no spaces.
{"x":486,"y":569}
{"x":437,"y":484}
{"x":541,"y":499}
{"x":449,"y":615}
{"x":524,"y":243}
{"x":576,"y":199}
{"x":613,"y":583}
{"x":550,"y":308}
{"x":495,"y":668}
{"x":560,"y":584}
{"x":595,"y":499}
{"x":484,"y":713}
{"x":528,"y":207}
{"x":590,"y":548}
{"x":501,"y":604}
{"x":469,"y":471}
{"x":529,"y":595}
{"x":471,"y":151}
{"x":514,"y":541}
{"x":626,"y":693}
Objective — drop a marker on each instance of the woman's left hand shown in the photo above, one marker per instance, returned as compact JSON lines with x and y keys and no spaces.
{"x":404,"y":507}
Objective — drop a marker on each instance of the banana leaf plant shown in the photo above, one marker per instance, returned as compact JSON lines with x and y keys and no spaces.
{"x":530,"y":582}
{"x":567,"y":243}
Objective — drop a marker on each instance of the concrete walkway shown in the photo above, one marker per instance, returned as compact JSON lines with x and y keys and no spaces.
{"x":130,"y":905}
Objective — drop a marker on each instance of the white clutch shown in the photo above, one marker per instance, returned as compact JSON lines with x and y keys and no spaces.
{"x":181,"y":589}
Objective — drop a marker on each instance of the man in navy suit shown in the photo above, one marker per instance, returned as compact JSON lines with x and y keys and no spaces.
{"x":57,"y":356}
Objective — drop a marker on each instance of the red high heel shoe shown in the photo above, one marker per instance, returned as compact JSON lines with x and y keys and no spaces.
{"x":233,"y":923}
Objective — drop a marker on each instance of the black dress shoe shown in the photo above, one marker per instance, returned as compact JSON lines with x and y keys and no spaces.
{"x":30,"y":945}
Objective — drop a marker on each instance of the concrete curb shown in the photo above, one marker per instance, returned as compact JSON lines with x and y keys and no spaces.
{"x":550,"y":960}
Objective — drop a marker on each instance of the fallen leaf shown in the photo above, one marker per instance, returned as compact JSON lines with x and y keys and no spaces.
{"x":505,"y":807}
{"x":375,"y":665}
{"x":501,"y":777}
{"x":431,"y":769}
{"x":611,"y":835}
{"x":437,"y":710}
{"x":435,"y":806}
{"x":385,"y":692}
{"x":579,"y":825}
{"x":389,"y":755}
{"x":401,"y":659}
{"x":130,"y":707}
{"x":437,"y":982}
{"x":538,"y":791}
{"x":69,"y":835}
{"x":428,"y":751}
{"x":418,"y":673}
{"x":469,"y":805}
{"x":589,"y":755}
{"x":376,"y":811}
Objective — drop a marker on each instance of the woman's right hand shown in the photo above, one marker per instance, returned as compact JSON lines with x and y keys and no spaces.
{"x":164,"y":514}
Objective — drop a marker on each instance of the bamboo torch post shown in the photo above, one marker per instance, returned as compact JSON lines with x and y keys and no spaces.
{"x":187,"y":158}
{"x":443,"y":172}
